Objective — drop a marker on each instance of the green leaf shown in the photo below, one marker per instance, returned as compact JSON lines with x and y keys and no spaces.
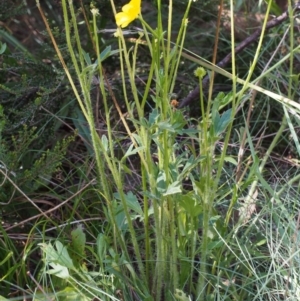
{"x":221,"y":123}
{"x":166,"y":125}
{"x":173,"y":188}
{"x":133,"y":204}
{"x":2,"y":47}
{"x":275,"y":9}
{"x":132,"y":150}
{"x":215,"y":245}
{"x":78,"y":243}
{"x":10,"y":254}
{"x":71,"y":294}
{"x":260,"y":242}
{"x":101,"y":246}
{"x":4,"y":35}
{"x":161,"y":182}
{"x":63,"y":255}
{"x":106,"y":53}
{"x":58,"y":271}
{"x":86,"y":57}
{"x":181,"y":296}
{"x":58,"y":256}
{"x":83,"y":129}
{"x":231,"y":160}
{"x":104,"y":141}
{"x":153,"y":116}
{"x":190,"y":205}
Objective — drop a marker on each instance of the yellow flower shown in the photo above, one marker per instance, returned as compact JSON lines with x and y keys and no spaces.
{"x":129,"y":12}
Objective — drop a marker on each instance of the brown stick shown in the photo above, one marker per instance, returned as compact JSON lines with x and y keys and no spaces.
{"x":252,"y":38}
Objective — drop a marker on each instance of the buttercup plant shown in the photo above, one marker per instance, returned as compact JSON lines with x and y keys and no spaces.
{"x":160,"y":180}
{"x":164,"y":253}
{"x":170,"y":249}
{"x":187,"y":208}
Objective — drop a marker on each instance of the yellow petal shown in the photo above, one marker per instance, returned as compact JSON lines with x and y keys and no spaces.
{"x":130,"y":11}
{"x":127,"y":8}
{"x":122,"y":19}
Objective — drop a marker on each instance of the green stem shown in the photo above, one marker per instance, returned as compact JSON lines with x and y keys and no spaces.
{"x":250,"y":195}
{"x":207,"y":149}
{"x":249,"y":198}
{"x":200,"y":290}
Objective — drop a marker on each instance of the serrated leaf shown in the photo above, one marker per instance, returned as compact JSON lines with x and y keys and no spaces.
{"x":78,"y":241}
{"x":221,"y":122}
{"x":190,"y":206}
{"x":106,"y":53}
{"x":173,"y":188}
{"x":153,"y":116}
{"x":63,"y":255}
{"x":132,"y":150}
{"x":58,"y":271}
{"x":58,"y":256}
{"x":133,"y":203}
{"x":167,"y":126}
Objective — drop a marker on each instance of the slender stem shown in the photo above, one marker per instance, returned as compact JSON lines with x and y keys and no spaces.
{"x":249,"y":198}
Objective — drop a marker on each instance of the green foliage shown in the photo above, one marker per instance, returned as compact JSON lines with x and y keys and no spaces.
{"x":27,"y":168}
{"x":32,"y":92}
{"x":183,"y":241}
{"x":11,"y":8}
{"x":184,"y":211}
{"x":77,"y":246}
